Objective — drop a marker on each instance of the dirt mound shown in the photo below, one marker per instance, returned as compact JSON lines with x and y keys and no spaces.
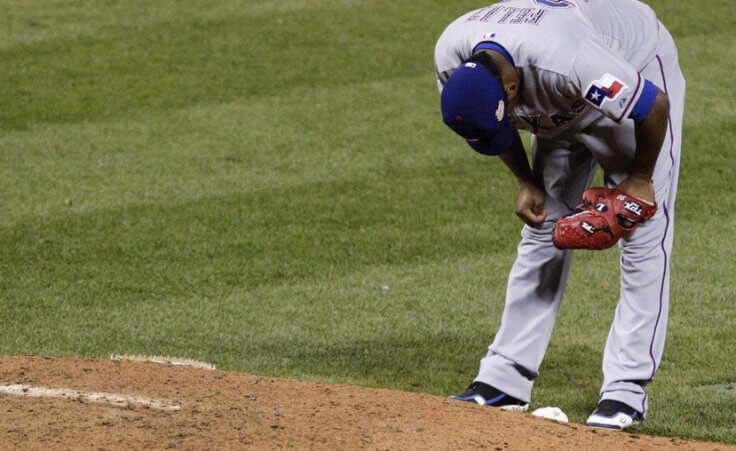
{"x":228,"y":409}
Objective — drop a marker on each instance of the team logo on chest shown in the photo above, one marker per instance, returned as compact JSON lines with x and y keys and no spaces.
{"x":607,"y":88}
{"x":541,"y":122}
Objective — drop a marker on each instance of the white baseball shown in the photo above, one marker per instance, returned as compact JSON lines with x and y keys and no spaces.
{"x":551,"y":413}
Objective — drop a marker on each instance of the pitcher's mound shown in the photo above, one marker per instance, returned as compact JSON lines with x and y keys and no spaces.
{"x":74,"y":402}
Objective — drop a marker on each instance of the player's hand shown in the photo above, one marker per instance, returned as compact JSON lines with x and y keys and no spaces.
{"x":530,"y":206}
{"x":638,"y":187}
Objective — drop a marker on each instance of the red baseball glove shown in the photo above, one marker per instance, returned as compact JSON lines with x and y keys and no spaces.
{"x":601,"y":220}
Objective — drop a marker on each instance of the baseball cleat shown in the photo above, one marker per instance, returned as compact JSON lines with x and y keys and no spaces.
{"x":486,"y":395}
{"x":613,"y":414}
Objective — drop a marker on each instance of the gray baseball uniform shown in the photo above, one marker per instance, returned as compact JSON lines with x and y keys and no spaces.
{"x":584,"y":65}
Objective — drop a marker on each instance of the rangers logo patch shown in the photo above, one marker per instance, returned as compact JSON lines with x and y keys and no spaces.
{"x":607,"y":88}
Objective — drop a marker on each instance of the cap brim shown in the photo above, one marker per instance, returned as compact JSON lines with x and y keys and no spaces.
{"x":497,"y":144}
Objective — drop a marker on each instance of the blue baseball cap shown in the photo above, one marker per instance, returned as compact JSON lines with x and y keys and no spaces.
{"x":474,"y":107}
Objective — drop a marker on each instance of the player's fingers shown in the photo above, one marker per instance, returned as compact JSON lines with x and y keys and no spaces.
{"x":538,"y":219}
{"x":539,"y":209}
{"x":543,"y":214}
{"x":531,"y":218}
{"x":539,"y":213}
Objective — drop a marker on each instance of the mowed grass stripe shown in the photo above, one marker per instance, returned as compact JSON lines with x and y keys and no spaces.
{"x":235,"y":147}
{"x":280,"y":234}
{"x":191,"y":59}
{"x":41,"y":21}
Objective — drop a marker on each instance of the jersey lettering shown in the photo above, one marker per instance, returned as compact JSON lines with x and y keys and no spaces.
{"x":509,"y":11}
{"x":509,"y":14}
{"x":542,"y":122}
{"x":535,"y":122}
{"x":536,"y":17}
{"x":559,"y":119}
{"x":519,"y":18}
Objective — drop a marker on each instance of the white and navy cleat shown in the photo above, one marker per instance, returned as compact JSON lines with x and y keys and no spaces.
{"x":486,"y":395}
{"x":613,"y":414}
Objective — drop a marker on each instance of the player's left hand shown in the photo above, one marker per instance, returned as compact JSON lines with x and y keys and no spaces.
{"x":638,"y":187}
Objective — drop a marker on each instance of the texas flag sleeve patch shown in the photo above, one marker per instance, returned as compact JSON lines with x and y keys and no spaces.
{"x":608,"y":88}
{"x":613,"y":96}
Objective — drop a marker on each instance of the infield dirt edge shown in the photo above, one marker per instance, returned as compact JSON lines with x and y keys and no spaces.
{"x":230,"y":409}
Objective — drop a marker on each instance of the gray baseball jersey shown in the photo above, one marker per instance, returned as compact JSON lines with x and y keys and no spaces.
{"x":584,"y":65}
{"x":578,"y":58}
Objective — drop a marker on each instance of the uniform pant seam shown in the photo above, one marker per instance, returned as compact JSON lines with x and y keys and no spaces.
{"x":664,"y":237}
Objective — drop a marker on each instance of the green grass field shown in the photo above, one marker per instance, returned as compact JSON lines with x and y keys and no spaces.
{"x":237,"y":182}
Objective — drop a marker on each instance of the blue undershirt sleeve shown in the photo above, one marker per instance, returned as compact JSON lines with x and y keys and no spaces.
{"x":644,"y":105}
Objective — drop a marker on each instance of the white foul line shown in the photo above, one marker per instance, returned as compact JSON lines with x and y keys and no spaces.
{"x":161,"y":359}
{"x":102,"y":398}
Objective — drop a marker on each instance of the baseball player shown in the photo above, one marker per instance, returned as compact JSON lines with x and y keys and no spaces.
{"x":597,"y":83}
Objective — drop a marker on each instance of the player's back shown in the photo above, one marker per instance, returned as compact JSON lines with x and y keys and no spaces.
{"x":628,"y":27}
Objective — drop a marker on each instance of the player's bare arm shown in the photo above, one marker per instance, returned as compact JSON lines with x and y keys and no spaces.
{"x":650,"y":135}
{"x":530,"y":205}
